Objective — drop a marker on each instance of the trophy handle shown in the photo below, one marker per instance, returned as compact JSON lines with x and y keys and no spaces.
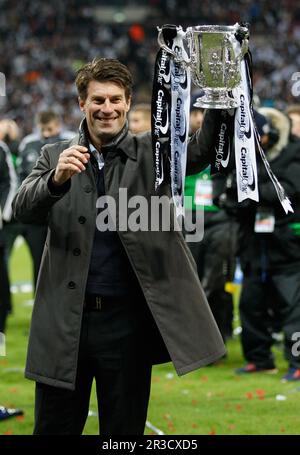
{"x":242,"y":36}
{"x":165,"y":47}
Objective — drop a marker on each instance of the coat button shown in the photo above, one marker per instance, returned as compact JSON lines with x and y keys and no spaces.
{"x":88,"y":189}
{"x":71,"y":285}
{"x":76,"y":252}
{"x":82,"y":219}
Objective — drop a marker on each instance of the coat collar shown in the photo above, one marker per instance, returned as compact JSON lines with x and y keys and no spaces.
{"x":122,"y":142}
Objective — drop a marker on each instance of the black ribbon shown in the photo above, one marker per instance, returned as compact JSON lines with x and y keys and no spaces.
{"x":223,"y":141}
{"x":161,"y":109}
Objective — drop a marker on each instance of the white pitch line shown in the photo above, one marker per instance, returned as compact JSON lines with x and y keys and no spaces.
{"x":153,"y":428}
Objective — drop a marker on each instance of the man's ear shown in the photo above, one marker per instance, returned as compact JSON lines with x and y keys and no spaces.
{"x":128,"y":103}
{"x":81,"y":103}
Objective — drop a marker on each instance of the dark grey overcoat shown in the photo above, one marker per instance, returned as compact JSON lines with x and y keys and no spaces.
{"x":161,"y":260}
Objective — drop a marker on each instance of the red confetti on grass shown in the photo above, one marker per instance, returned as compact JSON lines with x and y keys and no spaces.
{"x":239,"y":407}
{"x":204,"y":378}
{"x":3,"y":362}
{"x":282,"y":429}
{"x":168,"y":386}
{"x":260,"y":394}
{"x":20,"y":418}
{"x":194,"y":425}
{"x":249,"y":395}
{"x":8,"y":432}
{"x":156,"y":379}
{"x":170,"y":424}
{"x":231,"y":427}
{"x":212,"y":432}
{"x":13,"y":390}
{"x":195,"y":402}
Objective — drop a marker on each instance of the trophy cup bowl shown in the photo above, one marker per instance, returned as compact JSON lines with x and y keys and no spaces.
{"x":215,"y":62}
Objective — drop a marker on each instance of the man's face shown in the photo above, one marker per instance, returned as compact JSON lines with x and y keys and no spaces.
{"x":49,"y":129}
{"x":295,"y":118}
{"x":196,"y":120}
{"x":139,"y":122}
{"x":105,"y":108}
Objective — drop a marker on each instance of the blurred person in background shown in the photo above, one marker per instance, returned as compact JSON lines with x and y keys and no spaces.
{"x":49,"y":131}
{"x":196,"y":113}
{"x":6,"y":413}
{"x":269,"y":250}
{"x":293,"y":113}
{"x":139,"y":118}
{"x":10,"y":134}
{"x":109,"y":303}
{"x":8,"y":187}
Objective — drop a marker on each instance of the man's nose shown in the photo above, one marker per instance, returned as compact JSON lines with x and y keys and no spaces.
{"x":107,"y":106}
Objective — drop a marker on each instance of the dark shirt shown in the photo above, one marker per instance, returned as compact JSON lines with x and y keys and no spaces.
{"x":110,"y":272}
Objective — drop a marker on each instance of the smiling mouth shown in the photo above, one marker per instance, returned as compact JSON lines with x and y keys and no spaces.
{"x":106,"y":119}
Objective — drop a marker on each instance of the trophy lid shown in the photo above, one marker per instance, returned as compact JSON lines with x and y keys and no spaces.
{"x":243,"y":29}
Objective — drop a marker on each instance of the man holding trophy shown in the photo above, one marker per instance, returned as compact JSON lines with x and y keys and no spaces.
{"x":127,"y":298}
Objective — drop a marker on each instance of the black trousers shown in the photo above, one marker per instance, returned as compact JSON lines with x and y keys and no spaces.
{"x":5,"y":303}
{"x":111,"y":351}
{"x":280,"y":293}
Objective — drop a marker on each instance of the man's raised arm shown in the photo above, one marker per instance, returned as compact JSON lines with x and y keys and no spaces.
{"x":200,"y":147}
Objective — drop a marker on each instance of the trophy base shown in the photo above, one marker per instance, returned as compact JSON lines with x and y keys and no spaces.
{"x":216,"y":100}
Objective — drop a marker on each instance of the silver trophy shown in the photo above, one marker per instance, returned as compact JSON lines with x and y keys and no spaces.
{"x":215,"y":57}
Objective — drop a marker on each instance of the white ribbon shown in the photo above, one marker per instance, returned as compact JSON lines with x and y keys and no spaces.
{"x":246,"y":141}
{"x":284,"y":200}
{"x":180,"y":102}
{"x":244,"y":137}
